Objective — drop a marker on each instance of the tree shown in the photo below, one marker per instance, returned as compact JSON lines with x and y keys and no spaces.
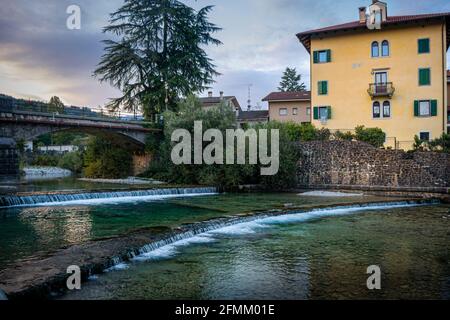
{"x":290,"y":82}
{"x":55,"y":105}
{"x":159,"y":56}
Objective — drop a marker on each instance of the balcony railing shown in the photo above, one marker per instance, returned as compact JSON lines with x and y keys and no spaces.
{"x":381,"y":90}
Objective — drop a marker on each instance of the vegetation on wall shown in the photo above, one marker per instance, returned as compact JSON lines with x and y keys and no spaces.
{"x":374,"y":136}
{"x":441,"y":144}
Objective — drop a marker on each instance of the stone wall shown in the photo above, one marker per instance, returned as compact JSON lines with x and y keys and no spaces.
{"x":141,"y":163}
{"x":9,"y":158}
{"x":345,"y":163}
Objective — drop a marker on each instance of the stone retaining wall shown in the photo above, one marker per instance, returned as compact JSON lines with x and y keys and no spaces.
{"x":9,"y":159}
{"x":328,"y":163}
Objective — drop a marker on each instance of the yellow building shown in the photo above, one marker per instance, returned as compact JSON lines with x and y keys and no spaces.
{"x":289,"y":106}
{"x":393,"y":78}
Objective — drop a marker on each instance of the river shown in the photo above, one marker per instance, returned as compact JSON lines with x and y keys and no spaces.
{"x":312,"y":254}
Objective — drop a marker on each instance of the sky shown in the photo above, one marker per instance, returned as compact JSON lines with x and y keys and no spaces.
{"x":40,"y":57}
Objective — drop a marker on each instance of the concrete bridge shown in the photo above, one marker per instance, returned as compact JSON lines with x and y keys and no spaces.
{"x":20,"y":125}
{"x":27,"y":126}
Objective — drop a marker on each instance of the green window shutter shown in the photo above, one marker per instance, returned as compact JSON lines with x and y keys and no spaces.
{"x":329,"y":112}
{"x":319,"y":87}
{"x":424,"y":77}
{"x":316,"y":56}
{"x":328,"y":55}
{"x":316,"y":113}
{"x":433,"y":108}
{"x":424,"y":45}
{"x":416,"y":108}
{"x":324,"y":87}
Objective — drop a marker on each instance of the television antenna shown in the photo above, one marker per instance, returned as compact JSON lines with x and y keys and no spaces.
{"x":249,"y":101}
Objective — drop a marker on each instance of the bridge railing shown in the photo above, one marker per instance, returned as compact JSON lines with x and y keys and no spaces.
{"x":88,"y":113}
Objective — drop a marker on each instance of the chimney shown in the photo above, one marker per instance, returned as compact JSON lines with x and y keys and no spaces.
{"x":221,"y":95}
{"x":362,"y":15}
{"x":210,"y":94}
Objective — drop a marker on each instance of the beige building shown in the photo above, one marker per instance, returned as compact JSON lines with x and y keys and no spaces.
{"x":210,"y":101}
{"x":289,"y":106}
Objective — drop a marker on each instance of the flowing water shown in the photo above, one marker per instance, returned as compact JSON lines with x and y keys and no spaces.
{"x":313,"y":254}
{"x":302,"y":256}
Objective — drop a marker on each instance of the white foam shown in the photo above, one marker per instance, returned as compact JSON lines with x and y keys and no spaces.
{"x":119,"y":266}
{"x":118,"y":200}
{"x":329,"y":194}
{"x":249,"y":227}
{"x":169,"y":250}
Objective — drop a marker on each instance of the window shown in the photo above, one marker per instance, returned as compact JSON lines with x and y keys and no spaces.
{"x":375,"y":49}
{"x":294,"y":111}
{"x":283,"y":112}
{"x":322,"y":56}
{"x":385,"y":48}
{"x":386,"y":109}
{"x":424,"y":46}
{"x":323,"y":87}
{"x":424,"y":136}
{"x":322,"y":113}
{"x":424,"y":77}
{"x":376,"y":112}
{"x":308,"y":111}
{"x":425,"y":108}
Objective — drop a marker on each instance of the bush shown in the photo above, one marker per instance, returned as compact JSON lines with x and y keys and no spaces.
{"x":72,"y":161}
{"x":441,"y":144}
{"x":105,"y":160}
{"x":322,"y":134}
{"x":229,"y":176}
{"x":374,"y":136}
{"x":45,"y":160}
{"x":345,"y":136}
{"x":307,"y":132}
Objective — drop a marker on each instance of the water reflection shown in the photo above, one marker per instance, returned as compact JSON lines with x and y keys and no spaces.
{"x":71,"y":225}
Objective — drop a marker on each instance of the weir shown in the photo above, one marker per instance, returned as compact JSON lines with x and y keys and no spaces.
{"x":205,"y":232}
{"x":54,"y":199}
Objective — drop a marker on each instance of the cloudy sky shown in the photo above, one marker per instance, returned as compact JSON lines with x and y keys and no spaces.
{"x":40,"y":57}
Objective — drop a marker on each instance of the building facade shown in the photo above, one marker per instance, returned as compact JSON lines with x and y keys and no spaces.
{"x":393,"y":78}
{"x":289,"y":106}
{"x":212,"y":102}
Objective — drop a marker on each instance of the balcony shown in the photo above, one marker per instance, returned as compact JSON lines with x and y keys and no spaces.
{"x":377,"y":90}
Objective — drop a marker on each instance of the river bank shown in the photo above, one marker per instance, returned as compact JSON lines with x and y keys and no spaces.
{"x":46,"y":276}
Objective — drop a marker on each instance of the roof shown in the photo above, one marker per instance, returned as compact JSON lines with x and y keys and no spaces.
{"x":305,"y":37}
{"x":253,"y":115}
{"x":289,"y":96}
{"x":213,"y":101}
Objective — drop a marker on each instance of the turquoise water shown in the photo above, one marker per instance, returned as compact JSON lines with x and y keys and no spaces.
{"x":35,"y":231}
{"x":297,"y":257}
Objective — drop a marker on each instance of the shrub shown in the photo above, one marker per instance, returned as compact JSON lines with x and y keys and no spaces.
{"x":440,"y":144}
{"x":45,"y":160}
{"x":228,"y":176}
{"x":346,"y":136}
{"x":374,"y":136}
{"x":307,"y":132}
{"x":322,"y":134}
{"x":106,"y":160}
{"x":72,"y":161}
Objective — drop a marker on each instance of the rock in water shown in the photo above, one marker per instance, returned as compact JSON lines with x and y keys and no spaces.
{"x":3,"y":295}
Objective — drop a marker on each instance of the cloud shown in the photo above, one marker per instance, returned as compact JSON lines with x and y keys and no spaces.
{"x":39,"y":57}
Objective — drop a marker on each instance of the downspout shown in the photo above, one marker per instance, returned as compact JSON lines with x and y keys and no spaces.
{"x":444,"y":74}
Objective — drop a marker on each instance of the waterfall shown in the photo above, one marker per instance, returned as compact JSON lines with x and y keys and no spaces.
{"x":101,"y":197}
